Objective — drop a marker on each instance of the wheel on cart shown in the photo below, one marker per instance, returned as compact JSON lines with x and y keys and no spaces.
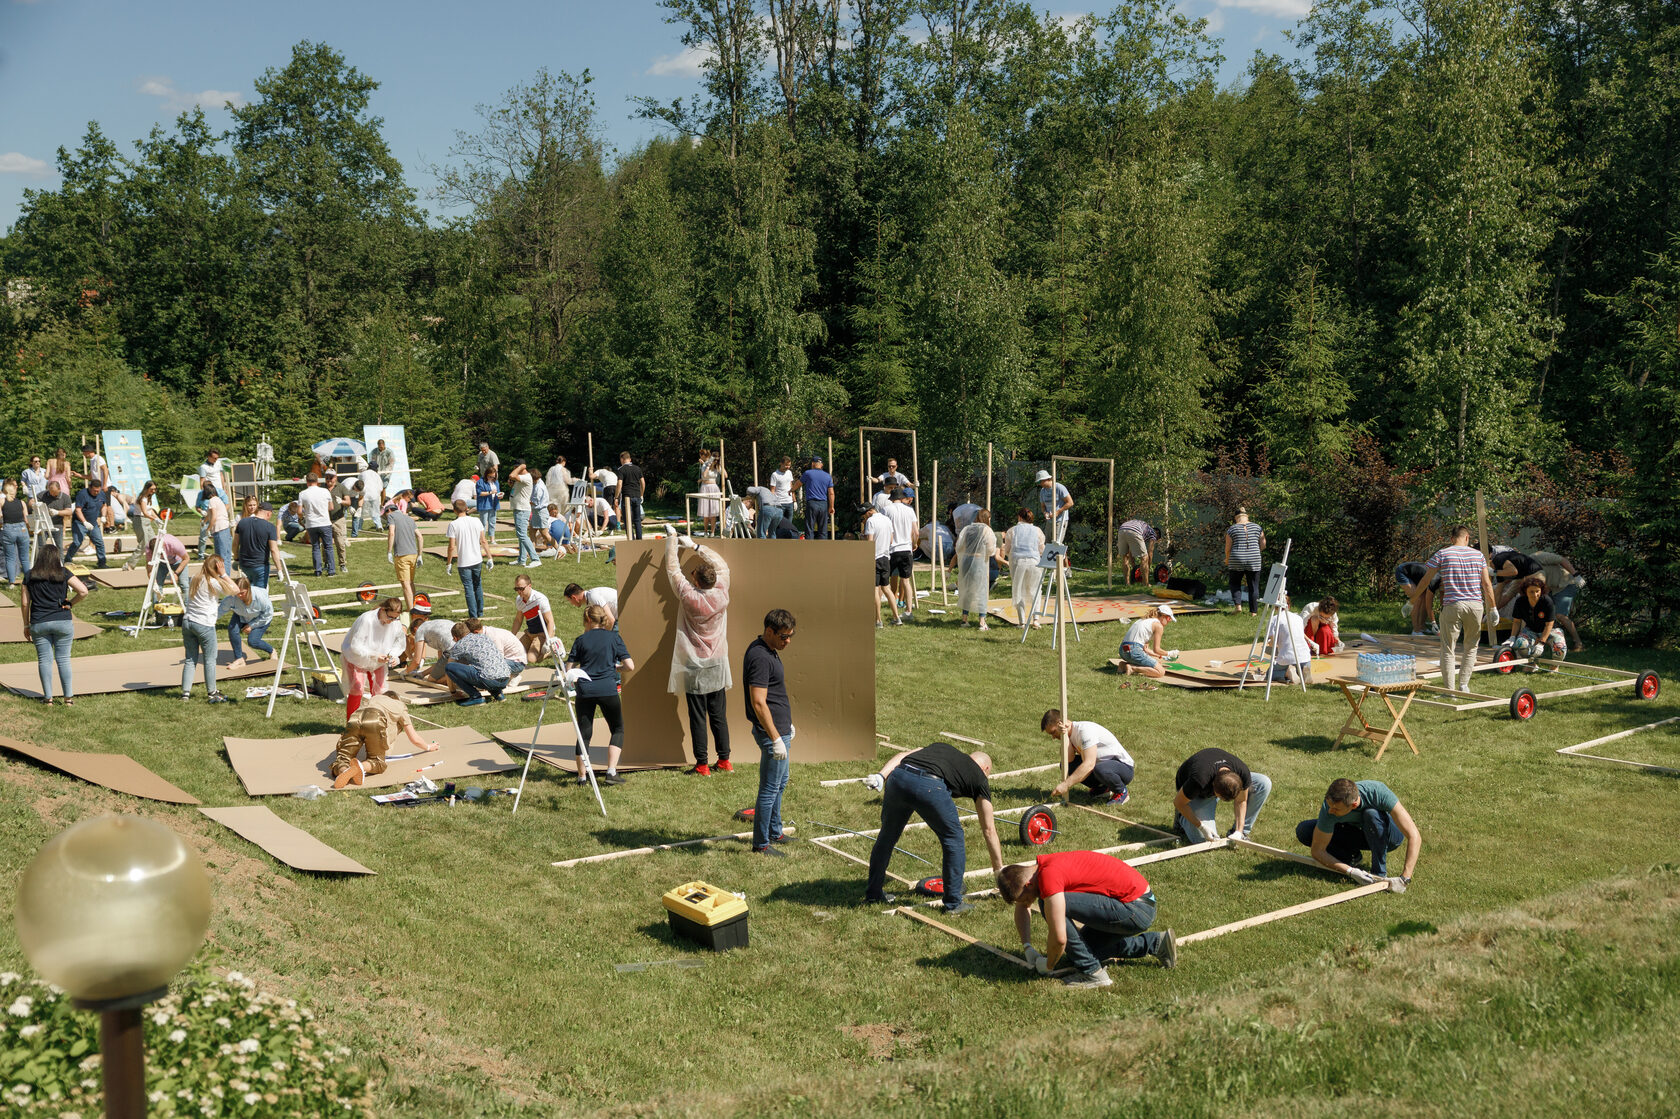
{"x":1523,"y":705}
{"x":1504,"y":656}
{"x":366,"y":593}
{"x":1647,"y":686}
{"x":1163,"y":572}
{"x":1038,"y":826}
{"x":931,"y":887}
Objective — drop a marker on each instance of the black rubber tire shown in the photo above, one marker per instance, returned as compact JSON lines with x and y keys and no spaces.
{"x":1648,"y":686}
{"x":1523,"y":705}
{"x":931,"y":887}
{"x":1038,"y":826}
{"x":1503,"y":656}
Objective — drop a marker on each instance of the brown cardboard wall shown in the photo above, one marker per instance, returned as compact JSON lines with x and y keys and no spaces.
{"x":827,"y":585}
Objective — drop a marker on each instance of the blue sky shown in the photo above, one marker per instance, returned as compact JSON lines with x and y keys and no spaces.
{"x":130,"y":64}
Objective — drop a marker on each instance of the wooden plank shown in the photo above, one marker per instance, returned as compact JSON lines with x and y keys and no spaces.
{"x":962,"y":738}
{"x":1123,"y":820}
{"x":1193,"y":849}
{"x":1291,"y":911}
{"x":1618,"y":734}
{"x":919,"y":824}
{"x":658,"y":847}
{"x":1029,"y":769}
{"x":864,"y":862}
{"x":964,"y":937}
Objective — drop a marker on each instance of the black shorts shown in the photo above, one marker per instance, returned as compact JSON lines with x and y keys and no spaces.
{"x":902,"y":564}
{"x":534,"y":626}
{"x":883,"y":571}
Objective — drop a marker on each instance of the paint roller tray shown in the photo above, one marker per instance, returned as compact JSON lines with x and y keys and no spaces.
{"x":713,"y":918}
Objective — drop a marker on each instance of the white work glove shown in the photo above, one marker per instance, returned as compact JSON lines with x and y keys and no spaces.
{"x":554,"y":645}
{"x":390,"y":557}
{"x":1210,"y":830}
{"x":1363,"y":877}
{"x":686,"y":541}
{"x":420,"y":559}
{"x":1493,"y":616}
{"x":779,"y":750}
{"x":874,"y":781}
{"x":1039,"y":961}
{"x":449,"y":568}
{"x":1174,"y":654}
{"x":1397,"y":884}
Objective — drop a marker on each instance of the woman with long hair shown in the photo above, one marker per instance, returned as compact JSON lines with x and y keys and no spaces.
{"x":144,"y":519}
{"x":14,"y":532}
{"x":198,"y":625}
{"x":375,"y":639}
{"x":600,"y":652}
{"x":49,"y":591}
{"x":709,"y":478}
{"x":59,"y":470}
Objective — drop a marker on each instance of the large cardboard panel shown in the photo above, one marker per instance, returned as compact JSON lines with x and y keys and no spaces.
{"x":829,"y":588}
{"x":557,"y":744}
{"x":122,"y":579}
{"x":114,"y":771}
{"x":291,"y":845}
{"x":397,"y":443}
{"x":275,"y":766}
{"x":11,"y":628}
{"x":135,"y":671}
{"x":1089,"y":609}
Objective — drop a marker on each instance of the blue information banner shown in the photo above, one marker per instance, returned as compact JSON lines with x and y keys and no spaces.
{"x":125,"y":454}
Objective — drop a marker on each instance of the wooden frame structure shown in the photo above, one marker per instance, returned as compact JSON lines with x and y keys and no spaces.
{"x":1056,"y":480}
{"x":866,"y":464}
{"x":1575,"y":750}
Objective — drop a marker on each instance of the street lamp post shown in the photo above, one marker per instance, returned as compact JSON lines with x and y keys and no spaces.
{"x":110,"y":909}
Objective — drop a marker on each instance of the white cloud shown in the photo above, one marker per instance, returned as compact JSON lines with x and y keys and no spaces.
{"x":180,"y":100}
{"x":16,"y":163}
{"x":1293,"y":9}
{"x":687,"y":63}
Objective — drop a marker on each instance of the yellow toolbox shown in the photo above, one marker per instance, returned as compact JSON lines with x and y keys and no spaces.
{"x":707,"y":915}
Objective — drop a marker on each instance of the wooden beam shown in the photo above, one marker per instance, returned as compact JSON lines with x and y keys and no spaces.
{"x":962,"y":738}
{"x":852,"y":780}
{"x":863,"y":862}
{"x":919,"y":824}
{"x":1029,"y":769}
{"x":1123,"y":820}
{"x":964,"y":937}
{"x":1291,"y":911}
{"x":1193,"y":849}
{"x":1575,"y":750}
{"x":659,"y":847}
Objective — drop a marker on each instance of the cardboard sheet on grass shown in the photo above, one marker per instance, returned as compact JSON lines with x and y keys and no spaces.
{"x":291,"y":845}
{"x":412,"y":692}
{"x":117,"y":578}
{"x":497,"y":551}
{"x":276,"y":766}
{"x":135,"y":671}
{"x":11,"y":629}
{"x":1088,"y":609}
{"x":113,"y":771}
{"x":830,"y":665}
{"x":1195,"y":669}
{"x":557,"y":745}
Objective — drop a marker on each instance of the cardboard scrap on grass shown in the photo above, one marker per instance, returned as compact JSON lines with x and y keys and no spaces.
{"x":11,"y":631}
{"x":123,"y":579}
{"x":113,"y":771}
{"x":1089,"y":609}
{"x":557,"y":744}
{"x":134,"y":671}
{"x":291,"y":845}
{"x":280,"y":766}
{"x":1223,"y":667}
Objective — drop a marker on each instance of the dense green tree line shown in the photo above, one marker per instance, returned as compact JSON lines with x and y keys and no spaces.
{"x":1437,"y":251}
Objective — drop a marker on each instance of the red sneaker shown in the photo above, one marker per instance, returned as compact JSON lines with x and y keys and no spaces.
{"x":702,"y":770}
{"x":724,"y":765}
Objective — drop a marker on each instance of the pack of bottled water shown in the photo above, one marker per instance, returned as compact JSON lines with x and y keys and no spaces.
{"x":1378,"y":669}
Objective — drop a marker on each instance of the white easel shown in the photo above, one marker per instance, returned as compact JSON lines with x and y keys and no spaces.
{"x":735,"y":524}
{"x":1050,"y":560}
{"x":560,"y":683}
{"x":300,"y":622}
{"x":584,"y":530}
{"x":1273,"y":626}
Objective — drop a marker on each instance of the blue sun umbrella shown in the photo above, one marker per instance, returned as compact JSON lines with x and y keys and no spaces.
{"x":340,"y":448}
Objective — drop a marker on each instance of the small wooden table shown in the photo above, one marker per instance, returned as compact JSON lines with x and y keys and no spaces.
{"x":1351,"y":685}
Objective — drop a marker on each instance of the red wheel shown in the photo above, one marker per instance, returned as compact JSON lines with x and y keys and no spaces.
{"x":1647,"y":686}
{"x":1504,"y":657}
{"x":1137,"y":574}
{"x":1163,"y":572}
{"x":365,"y":592}
{"x":1038,"y":826}
{"x":1523,"y":705}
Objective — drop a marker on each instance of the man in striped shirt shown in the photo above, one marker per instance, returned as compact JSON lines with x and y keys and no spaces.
{"x":1465,"y":587}
{"x":1137,"y":543}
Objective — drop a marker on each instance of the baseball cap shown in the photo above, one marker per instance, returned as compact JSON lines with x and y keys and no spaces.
{"x":264,"y":507}
{"x":1043,"y":476}
{"x":1166,"y":611}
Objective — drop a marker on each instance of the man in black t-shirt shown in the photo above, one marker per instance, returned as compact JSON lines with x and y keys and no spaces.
{"x":927,"y":783}
{"x":631,"y":486}
{"x":258,"y":545}
{"x":771,"y":716}
{"x":1511,"y":567}
{"x":1209,"y":776}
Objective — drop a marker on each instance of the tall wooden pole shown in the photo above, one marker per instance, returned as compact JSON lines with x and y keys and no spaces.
{"x":939,"y":561}
{"x":916,"y":471}
{"x":592,"y":458}
{"x":989,"y":480}
{"x":1487,"y":554}
{"x":863,"y":472}
{"x":1146,"y":576}
{"x":1063,"y":608}
{"x":869,"y":459}
{"x":755,"y":462}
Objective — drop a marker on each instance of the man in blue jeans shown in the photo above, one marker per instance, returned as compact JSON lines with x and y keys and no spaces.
{"x":927,"y":783}
{"x":771,"y":716}
{"x":1095,"y":907}
{"x":819,"y":501}
{"x":1361,"y":816}
{"x":88,"y":507}
{"x":1209,"y":776}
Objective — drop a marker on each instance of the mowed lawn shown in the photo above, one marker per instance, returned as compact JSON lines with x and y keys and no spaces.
{"x":1532,"y":968}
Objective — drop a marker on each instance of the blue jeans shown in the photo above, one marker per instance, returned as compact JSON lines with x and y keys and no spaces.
{"x":255,"y":637}
{"x":816,"y":520}
{"x":472,"y":588}
{"x":487,"y":518}
{"x":770,"y":521}
{"x":15,"y":539}
{"x":1364,"y":829}
{"x":633,"y":510}
{"x":772,"y":779}
{"x":80,"y":532}
{"x":909,"y":790}
{"x":1563,"y":599}
{"x":257,"y":573}
{"x":469,"y":679}
{"x":522,"y":530}
{"x":291,"y":526}
{"x":223,"y":543}
{"x":52,"y":643}
{"x":200,"y":642}
{"x":321,"y":543}
{"x":1133,"y":653}
{"x":1113,"y":929}
{"x":1259,"y":788}
{"x":1109,"y":775}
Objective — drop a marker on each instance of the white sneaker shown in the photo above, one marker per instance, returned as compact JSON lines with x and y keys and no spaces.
{"x":534,"y":563}
{"x":1088,"y":980}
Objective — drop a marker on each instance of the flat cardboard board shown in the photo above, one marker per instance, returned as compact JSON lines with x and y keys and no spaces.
{"x":1200,"y":671}
{"x":1089,"y":609}
{"x":11,"y":630}
{"x":829,"y":588}
{"x":291,"y":845}
{"x":117,"y":578}
{"x":280,"y":766}
{"x":558,"y":745}
{"x":496,"y":551}
{"x":113,"y":771}
{"x":136,"y":671}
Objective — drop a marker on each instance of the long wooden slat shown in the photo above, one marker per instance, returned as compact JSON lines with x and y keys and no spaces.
{"x":985,"y":870}
{"x":1123,"y":820}
{"x":919,"y":824}
{"x":1618,"y":734}
{"x":658,"y":847}
{"x":965,"y":938}
{"x":962,"y":738}
{"x":863,"y":862}
{"x":1193,"y":849}
{"x":1291,"y":911}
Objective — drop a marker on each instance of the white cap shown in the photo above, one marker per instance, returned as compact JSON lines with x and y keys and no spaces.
{"x":1043,"y":476}
{"x":1166,"y":611}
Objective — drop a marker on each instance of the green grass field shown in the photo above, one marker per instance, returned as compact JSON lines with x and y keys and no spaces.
{"x":1533,"y":968}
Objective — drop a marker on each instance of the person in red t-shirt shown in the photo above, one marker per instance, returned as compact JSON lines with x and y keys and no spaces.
{"x":1101,"y":892}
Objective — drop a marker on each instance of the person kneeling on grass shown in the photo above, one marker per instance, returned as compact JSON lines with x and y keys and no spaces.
{"x":371,"y":728}
{"x":1320,"y":623}
{"x":1212,"y":775}
{"x":1140,"y":651}
{"x":475,"y":662}
{"x":1105,"y":895}
{"x":1361,"y":816}
{"x":1104,"y":765}
{"x":249,"y":613}
{"x":599,"y":651}
{"x":1535,"y":621}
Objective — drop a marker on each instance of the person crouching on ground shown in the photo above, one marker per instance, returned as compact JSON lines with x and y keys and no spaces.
{"x":1105,"y":895}
{"x":1319,"y":621}
{"x":1104,"y":766}
{"x":370,"y":728}
{"x":375,"y":640}
{"x":1140,"y":651}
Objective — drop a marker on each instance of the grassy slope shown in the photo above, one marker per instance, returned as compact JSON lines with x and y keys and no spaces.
{"x":481,"y":979}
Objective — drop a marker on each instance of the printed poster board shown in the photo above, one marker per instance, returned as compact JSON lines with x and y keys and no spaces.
{"x":125,"y":454}
{"x":397,"y":444}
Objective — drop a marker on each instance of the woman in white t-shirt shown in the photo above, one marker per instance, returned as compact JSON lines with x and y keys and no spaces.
{"x":1022,"y":546}
{"x":1141,"y":651}
{"x":198,"y":625}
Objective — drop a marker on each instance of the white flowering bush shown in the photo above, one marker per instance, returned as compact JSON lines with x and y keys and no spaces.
{"x":214,"y":1047}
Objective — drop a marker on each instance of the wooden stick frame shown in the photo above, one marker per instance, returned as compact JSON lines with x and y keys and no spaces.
{"x":1054,"y":480}
{"x":1575,"y":751}
{"x":866,"y":464}
{"x":610,"y":855}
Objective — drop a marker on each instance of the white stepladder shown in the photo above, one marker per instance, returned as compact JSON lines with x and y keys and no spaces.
{"x":40,"y":528}
{"x":1273,"y":627}
{"x":1054,"y":554}
{"x":157,"y":588}
{"x":583,"y":531}
{"x":561,"y":684}
{"x":300,"y":625}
